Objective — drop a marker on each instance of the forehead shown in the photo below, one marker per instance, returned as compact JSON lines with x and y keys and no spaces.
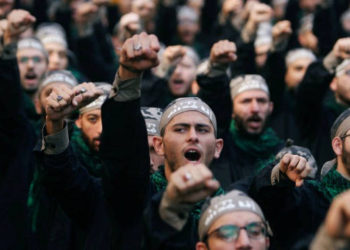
{"x":54,"y":46}
{"x":95,"y":112}
{"x":251,"y":94}
{"x":190,"y":117}
{"x":263,"y":48}
{"x":30,"y":52}
{"x":239,"y":218}
{"x":187,"y":60}
{"x":305,"y":61}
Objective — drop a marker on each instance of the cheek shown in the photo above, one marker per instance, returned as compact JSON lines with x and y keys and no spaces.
{"x":265,"y":110}
{"x":190,"y":76}
{"x":22,"y":69}
{"x":40,"y":68}
{"x":64,"y":62}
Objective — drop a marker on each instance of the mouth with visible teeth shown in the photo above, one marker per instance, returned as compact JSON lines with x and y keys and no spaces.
{"x":192,"y":155}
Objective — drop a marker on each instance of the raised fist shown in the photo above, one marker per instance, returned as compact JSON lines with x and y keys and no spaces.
{"x":85,"y":13}
{"x":260,"y":13}
{"x":281,"y":31}
{"x":231,"y":6}
{"x":18,"y":21}
{"x":341,"y":48}
{"x":139,"y":53}
{"x":295,"y":167}
{"x":173,"y":54}
{"x":63,"y":101}
{"x":223,"y":52}
{"x":190,"y":184}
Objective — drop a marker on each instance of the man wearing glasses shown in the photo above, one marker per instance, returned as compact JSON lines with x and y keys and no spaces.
{"x":235,"y":220}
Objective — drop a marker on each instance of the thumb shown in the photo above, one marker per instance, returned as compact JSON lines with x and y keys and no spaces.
{"x":76,"y":100}
{"x":299,"y":182}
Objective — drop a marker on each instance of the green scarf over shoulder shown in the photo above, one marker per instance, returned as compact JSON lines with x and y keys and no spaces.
{"x":160,"y":182}
{"x":89,"y":159}
{"x":333,"y":105}
{"x":262,"y":147}
{"x":332,"y":184}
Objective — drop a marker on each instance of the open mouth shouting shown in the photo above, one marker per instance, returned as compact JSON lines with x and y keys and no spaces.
{"x":178,"y":81}
{"x":31,"y":79}
{"x":192,"y":155}
{"x":255,"y":122}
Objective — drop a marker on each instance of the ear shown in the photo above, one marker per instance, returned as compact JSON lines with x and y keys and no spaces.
{"x":158,"y":145}
{"x":78,"y":121}
{"x":219,"y":144}
{"x":334,"y":86}
{"x":201,"y":246}
{"x":37,"y":106}
{"x":337,"y":145}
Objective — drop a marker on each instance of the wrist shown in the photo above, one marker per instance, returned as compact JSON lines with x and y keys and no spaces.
{"x":8,"y":38}
{"x":54,"y":126}
{"x":84,"y":29}
{"x":126,"y":72}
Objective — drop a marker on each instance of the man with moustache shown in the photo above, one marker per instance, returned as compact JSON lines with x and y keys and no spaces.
{"x":288,"y":198}
{"x":31,"y":57}
{"x":224,"y":216}
{"x":242,"y":108}
{"x":175,"y":76}
{"x":111,"y":213}
{"x":87,"y":132}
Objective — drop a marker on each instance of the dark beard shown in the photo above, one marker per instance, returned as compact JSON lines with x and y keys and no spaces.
{"x":345,"y":155}
{"x":343,"y":100}
{"x":240,"y":126}
{"x":90,"y":144}
{"x":30,"y":92}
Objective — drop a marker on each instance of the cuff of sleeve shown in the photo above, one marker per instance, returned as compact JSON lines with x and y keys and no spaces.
{"x":85,"y":30}
{"x":126,"y":90}
{"x":279,"y":46}
{"x":56,"y":143}
{"x":276,"y":175}
{"x":212,"y":69}
{"x":330,"y":62}
{"x":175,"y":215}
{"x":9,"y":51}
{"x":324,"y":241}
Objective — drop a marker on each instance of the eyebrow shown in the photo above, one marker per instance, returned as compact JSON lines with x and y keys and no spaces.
{"x":183,"y":124}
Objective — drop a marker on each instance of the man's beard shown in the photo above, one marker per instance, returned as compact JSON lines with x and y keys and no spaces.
{"x":90,"y":144}
{"x":240,"y":123}
{"x":30,"y":91}
{"x":343,"y":100}
{"x":345,"y":157}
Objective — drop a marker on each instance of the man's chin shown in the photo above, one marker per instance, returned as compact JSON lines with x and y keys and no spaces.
{"x":30,"y":90}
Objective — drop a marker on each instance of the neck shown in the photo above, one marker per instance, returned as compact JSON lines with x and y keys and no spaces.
{"x":343,"y":168}
{"x":31,"y":95}
{"x":167,"y":171}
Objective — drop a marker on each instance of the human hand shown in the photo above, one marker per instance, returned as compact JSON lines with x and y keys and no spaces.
{"x":223,"y":52}
{"x":190,"y":184}
{"x":295,"y":167}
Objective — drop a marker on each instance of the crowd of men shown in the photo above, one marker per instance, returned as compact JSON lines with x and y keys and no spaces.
{"x":174,"y":124}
